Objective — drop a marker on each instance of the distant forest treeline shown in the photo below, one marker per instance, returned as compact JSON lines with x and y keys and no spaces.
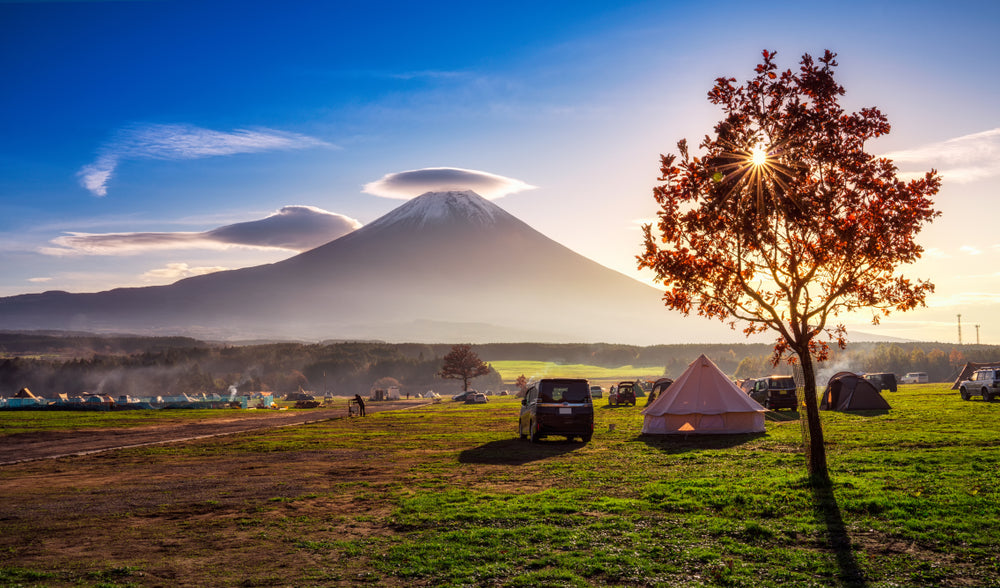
{"x":50,"y":364}
{"x":340,"y":369}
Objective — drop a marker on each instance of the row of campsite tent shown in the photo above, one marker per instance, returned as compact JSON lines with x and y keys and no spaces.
{"x":704,"y":401}
{"x":25,"y":399}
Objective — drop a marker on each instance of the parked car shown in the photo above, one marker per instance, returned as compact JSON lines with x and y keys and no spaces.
{"x":461,"y":397}
{"x":882,"y":381}
{"x":622,"y":394}
{"x":773,"y":392}
{"x":476,"y":398}
{"x":556,"y":406}
{"x":984,"y":382}
{"x":596,"y":392}
{"x":914,"y":378}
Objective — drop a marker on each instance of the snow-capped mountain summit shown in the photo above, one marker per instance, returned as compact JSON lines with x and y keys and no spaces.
{"x":436,"y":208}
{"x":443,"y":267}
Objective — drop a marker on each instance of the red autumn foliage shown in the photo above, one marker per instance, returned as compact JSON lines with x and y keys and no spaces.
{"x":784,"y":221}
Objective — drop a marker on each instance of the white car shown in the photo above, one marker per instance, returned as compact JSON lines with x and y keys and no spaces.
{"x":914,"y":378}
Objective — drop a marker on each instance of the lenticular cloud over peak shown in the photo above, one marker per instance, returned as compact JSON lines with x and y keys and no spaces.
{"x":410,"y":184}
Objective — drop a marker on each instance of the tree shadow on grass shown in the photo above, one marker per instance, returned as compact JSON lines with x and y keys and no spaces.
{"x":517,"y":452}
{"x":684,"y":443}
{"x":837,"y":538}
{"x":868,"y":413}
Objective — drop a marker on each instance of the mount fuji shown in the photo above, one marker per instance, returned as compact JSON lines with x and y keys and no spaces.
{"x":443,"y":267}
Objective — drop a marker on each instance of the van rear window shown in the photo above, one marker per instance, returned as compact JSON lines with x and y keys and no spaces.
{"x":563,"y":392}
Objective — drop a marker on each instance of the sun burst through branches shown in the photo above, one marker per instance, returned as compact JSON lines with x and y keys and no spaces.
{"x":754,"y":171}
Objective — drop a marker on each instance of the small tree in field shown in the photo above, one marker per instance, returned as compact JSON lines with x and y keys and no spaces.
{"x":462,"y":363}
{"x":785,"y":222}
{"x":522,"y":383}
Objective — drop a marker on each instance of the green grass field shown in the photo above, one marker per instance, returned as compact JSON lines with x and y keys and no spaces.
{"x":510,"y":370}
{"x":446,"y":495}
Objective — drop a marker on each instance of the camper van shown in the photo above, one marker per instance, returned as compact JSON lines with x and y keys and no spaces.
{"x":915,"y":378}
{"x":556,"y":406}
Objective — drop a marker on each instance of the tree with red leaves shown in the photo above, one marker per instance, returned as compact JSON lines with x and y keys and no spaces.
{"x":784,"y":221}
{"x":462,"y":363}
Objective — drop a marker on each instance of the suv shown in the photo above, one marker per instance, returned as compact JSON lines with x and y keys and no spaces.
{"x":883,"y":381}
{"x":984,"y":382}
{"x":596,"y":392}
{"x":774,"y":392}
{"x":556,"y":406}
{"x":623,"y":394}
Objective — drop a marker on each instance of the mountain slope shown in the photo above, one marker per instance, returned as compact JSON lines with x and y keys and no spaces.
{"x":448,"y":266}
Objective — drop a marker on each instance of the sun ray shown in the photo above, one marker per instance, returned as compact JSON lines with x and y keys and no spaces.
{"x":757,"y":168}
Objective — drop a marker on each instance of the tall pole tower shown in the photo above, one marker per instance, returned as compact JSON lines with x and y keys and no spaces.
{"x":977,"y":334}
{"x":959,"y":329}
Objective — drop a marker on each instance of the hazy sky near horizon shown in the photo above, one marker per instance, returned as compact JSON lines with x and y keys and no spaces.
{"x":146,"y":141}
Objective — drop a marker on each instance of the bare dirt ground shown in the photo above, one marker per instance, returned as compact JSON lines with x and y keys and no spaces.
{"x":52,"y":444}
{"x":209,"y":518}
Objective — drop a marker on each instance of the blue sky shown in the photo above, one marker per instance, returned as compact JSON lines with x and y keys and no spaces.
{"x":207,"y":126}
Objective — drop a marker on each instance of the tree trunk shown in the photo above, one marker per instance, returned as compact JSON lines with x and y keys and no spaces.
{"x":817,"y":450}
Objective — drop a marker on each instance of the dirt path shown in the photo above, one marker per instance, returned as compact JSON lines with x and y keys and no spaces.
{"x":27,"y":447}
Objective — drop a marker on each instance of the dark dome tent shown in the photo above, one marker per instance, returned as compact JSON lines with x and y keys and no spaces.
{"x":849,"y":391}
{"x":658,"y":387}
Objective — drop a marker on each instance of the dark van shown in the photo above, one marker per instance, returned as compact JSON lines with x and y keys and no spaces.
{"x":775,"y":392}
{"x":557,"y":406}
{"x":883,"y":381}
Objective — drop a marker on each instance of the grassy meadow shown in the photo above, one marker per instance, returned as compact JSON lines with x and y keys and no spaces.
{"x":446,"y":495}
{"x":510,"y":370}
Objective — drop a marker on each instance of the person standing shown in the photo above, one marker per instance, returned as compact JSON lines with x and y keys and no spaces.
{"x":361,"y":404}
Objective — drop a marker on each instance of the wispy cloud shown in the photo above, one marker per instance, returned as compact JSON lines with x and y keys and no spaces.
{"x":39,"y":280}
{"x":176,"y":271}
{"x":963,"y":159}
{"x":413,"y":183}
{"x":970,"y":250}
{"x":294,"y":228}
{"x":183,"y":142}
